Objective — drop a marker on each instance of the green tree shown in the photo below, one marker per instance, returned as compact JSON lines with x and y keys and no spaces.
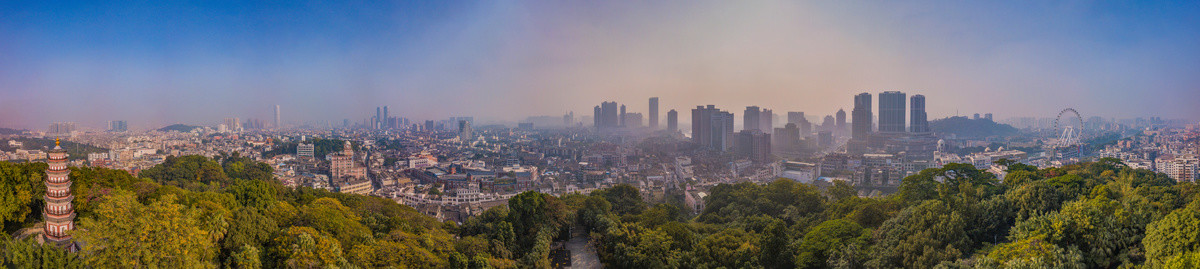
{"x":830,"y":236}
{"x":125,"y":233}
{"x":304,"y":247}
{"x":1176,"y":234}
{"x":29,"y":253}
{"x":18,"y":186}
{"x":248,"y":227}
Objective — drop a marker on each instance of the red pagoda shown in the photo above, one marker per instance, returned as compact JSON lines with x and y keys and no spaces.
{"x":59,"y":212}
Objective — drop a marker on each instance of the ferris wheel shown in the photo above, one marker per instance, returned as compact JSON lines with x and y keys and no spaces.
{"x":1069,"y":127}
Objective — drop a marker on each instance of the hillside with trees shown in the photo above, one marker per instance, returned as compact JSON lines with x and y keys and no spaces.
{"x":965,"y":127}
{"x":182,"y":128}
{"x":228,"y":212}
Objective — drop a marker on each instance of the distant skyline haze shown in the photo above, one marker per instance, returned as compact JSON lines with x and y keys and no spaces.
{"x":162,"y":62}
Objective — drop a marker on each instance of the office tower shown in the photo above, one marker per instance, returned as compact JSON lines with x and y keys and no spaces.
{"x":378,"y":118}
{"x":824,"y":139}
{"x":386,"y":120}
{"x":569,"y":119}
{"x":608,"y":113}
{"x":233,"y":124}
{"x":751,"y":118}
{"x":795,"y":117}
{"x":920,"y":123}
{"x":117,"y":126}
{"x":673,"y":121}
{"x":841,"y":121}
{"x":702,"y":124}
{"x":61,"y":128}
{"x":59,"y":212}
{"x":861,"y":116}
{"x":788,"y":136}
{"x":633,"y":120}
{"x":722,"y":131}
{"x":597,"y":117}
{"x":653,"y":112}
{"x":976,"y":116}
{"x":891,"y":112}
{"x":988,"y":116}
{"x":766,"y":120}
{"x":622,"y":123}
{"x":828,"y":124}
{"x":801,"y":122}
{"x":429,"y":125}
{"x":278,"y":124}
{"x":464,"y":130}
{"x":754,"y":144}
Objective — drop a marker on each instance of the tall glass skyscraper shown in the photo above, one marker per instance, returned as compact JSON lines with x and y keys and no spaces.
{"x":861,"y":115}
{"x":891,"y":112}
{"x":920,"y":123}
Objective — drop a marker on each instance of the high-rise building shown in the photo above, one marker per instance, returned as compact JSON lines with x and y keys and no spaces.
{"x":118,"y":126}
{"x":464,"y":130}
{"x":766,"y":120}
{"x":801,"y":122}
{"x":891,"y":112}
{"x":386,"y":122}
{"x":609,"y":115}
{"x":653,"y":113}
{"x":920,"y":122}
{"x":754,"y":144}
{"x":673,"y":121}
{"x":722,"y":131}
{"x":633,"y":120}
{"x":622,"y":119}
{"x":278,"y":123}
{"x":597,"y":118}
{"x":59,"y":213}
{"x":61,"y":128}
{"x":987,"y":116}
{"x":787,"y":137}
{"x":861,"y":116}
{"x":751,"y":118}
{"x":828,"y":123}
{"x":702,"y":124}
{"x":824,"y":139}
{"x":569,"y":119}
{"x":233,"y":124}
{"x":841,"y":121}
{"x":378,"y":118}
{"x":429,"y":125}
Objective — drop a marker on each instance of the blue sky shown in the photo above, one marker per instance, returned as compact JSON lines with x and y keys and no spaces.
{"x":161,"y":62}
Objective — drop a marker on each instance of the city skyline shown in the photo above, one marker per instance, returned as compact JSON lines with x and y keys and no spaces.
{"x":161,"y":63}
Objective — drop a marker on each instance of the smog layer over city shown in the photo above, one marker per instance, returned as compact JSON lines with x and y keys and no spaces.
{"x":599,"y":134}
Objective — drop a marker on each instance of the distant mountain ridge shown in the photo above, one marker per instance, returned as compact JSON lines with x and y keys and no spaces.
{"x":964,"y":127}
{"x":183,"y":128}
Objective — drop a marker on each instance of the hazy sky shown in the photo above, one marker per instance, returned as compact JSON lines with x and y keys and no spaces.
{"x":159,"y":62}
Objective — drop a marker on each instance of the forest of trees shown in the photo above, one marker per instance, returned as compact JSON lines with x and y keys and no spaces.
{"x":197,"y":212}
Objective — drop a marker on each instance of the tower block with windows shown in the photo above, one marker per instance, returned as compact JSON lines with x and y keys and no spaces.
{"x":59,"y":212}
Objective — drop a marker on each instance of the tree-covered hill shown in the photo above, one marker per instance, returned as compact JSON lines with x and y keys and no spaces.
{"x":227,"y":212}
{"x":965,"y":127}
{"x":182,"y":128}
